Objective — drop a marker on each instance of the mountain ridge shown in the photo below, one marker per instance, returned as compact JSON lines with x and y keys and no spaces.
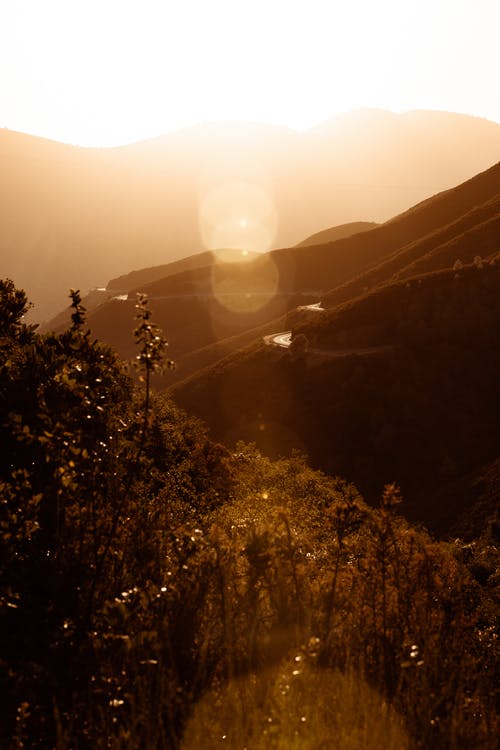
{"x":187,"y":307}
{"x":76,"y":217}
{"x":430,"y":377}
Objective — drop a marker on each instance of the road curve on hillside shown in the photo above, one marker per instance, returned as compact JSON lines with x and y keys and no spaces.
{"x":283,"y":339}
{"x":316,"y":307}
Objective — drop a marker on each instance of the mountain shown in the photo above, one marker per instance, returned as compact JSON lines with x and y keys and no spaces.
{"x":142,"y":276}
{"x":337,"y":233}
{"x":454,"y":226}
{"x":401,"y":385}
{"x":205,"y":299}
{"x":198,"y":306}
{"x":76,"y":217}
{"x":398,"y":380}
{"x":208,"y":311}
{"x":125,"y":287}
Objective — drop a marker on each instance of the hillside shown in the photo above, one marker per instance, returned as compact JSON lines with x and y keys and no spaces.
{"x":159,"y":590}
{"x":404,"y":237}
{"x":421,"y":409}
{"x":457,"y":225}
{"x":208,"y":311}
{"x":138,"y":279}
{"x":141,"y":280}
{"x":198,"y":306}
{"x":337,"y":233}
{"x":74,"y":217}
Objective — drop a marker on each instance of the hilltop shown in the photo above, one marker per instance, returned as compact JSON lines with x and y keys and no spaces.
{"x":212,"y":304}
{"x":75,"y":217}
{"x":398,"y":378}
{"x":337,"y":233}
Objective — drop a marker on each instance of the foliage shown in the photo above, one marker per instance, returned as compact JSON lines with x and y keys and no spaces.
{"x":152,"y":583}
{"x":401,"y":383}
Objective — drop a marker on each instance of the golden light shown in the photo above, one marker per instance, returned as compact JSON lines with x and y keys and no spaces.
{"x":104,"y":73}
{"x":286,"y":705}
{"x":245,"y":286}
{"x":239,"y":215}
{"x":238,"y":223}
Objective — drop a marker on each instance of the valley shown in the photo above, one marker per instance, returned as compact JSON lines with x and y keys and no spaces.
{"x":240,"y":488}
{"x":249,"y":375}
{"x":96,"y":214}
{"x":399,"y":297}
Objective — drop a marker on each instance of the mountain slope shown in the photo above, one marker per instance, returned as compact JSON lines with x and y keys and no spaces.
{"x":419,"y":403}
{"x":317,"y":268}
{"x":215,"y":307}
{"x":337,"y":233}
{"x":73,"y":217}
{"x":136,"y":279}
{"x":473,"y":234}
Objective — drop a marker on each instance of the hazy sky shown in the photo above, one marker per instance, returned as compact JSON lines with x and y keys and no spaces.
{"x":106,"y":72}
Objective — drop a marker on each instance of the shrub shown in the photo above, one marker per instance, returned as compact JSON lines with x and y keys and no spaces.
{"x":160,"y":591}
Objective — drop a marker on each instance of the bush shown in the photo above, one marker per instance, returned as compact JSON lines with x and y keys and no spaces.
{"x":159,"y":591}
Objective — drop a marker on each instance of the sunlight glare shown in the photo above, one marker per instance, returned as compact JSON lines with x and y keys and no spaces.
{"x":309,"y":707}
{"x":247,"y":286}
{"x":239,"y":215}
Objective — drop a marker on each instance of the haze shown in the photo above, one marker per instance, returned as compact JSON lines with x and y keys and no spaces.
{"x":73,"y":217}
{"x":100,"y":74}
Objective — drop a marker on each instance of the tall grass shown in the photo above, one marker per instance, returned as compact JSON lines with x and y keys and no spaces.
{"x":285,"y":624}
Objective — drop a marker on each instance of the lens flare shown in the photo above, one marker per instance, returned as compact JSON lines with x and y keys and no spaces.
{"x":247,"y":285}
{"x":239,"y":215}
{"x":282,"y":706}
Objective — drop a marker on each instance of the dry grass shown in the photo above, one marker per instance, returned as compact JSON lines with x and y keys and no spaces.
{"x":295,"y":706}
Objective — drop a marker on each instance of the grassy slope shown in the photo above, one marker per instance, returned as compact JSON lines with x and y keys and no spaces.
{"x":136,"y":279}
{"x":431,"y":235}
{"x":332,"y":234}
{"x":421,"y":222}
{"x":422,"y":413}
{"x":74,"y":217}
{"x":204,"y":306}
{"x":471,"y":234}
{"x":470,"y":216}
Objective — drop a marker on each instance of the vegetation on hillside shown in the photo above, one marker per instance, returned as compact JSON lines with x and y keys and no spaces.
{"x":421,"y":408}
{"x":140,"y":204}
{"x":210,"y":305}
{"x":158,"y":590}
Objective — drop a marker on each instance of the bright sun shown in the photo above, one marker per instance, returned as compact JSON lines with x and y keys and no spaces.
{"x":105,"y":73}
{"x":221,"y":221}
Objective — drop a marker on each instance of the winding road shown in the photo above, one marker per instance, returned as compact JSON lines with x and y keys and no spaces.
{"x":283,"y":339}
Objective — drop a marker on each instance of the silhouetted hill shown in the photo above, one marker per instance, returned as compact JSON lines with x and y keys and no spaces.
{"x":215,"y":308}
{"x":397,"y":243}
{"x":138,"y":279}
{"x":202,"y":305}
{"x":474,"y":235}
{"x":337,"y":233}
{"x":456,"y":225}
{"x":412,"y":396}
{"x":74,"y":217}
{"x":135,"y":279}
{"x":145,"y":280}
